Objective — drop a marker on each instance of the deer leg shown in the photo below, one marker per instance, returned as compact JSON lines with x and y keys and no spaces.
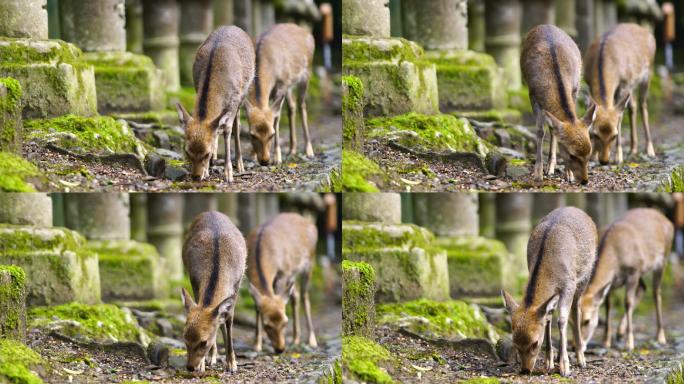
{"x":607,"y":330}
{"x":634,"y":147}
{"x":552,"y":154}
{"x":276,"y":125}
{"x":643,"y":103}
{"x":231,"y":362}
{"x":259,"y":332}
{"x":576,"y":335}
{"x":564,"y":313}
{"x":549,"y":346}
{"x":292,"y":116}
{"x":305,"y":117}
{"x":295,"y":315}
{"x":619,"y":158}
{"x":630,"y":295}
{"x":214,"y":149}
{"x":539,"y":163}
{"x":227,"y":131}
{"x":213,"y":352}
{"x":238,"y":148}
{"x":306,"y":279}
{"x":657,"y":279}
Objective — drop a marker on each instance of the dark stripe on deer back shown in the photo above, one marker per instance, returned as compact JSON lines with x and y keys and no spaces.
{"x":257,"y":65}
{"x":257,"y":252}
{"x":216,"y":260}
{"x":204,"y":92}
{"x":562,"y":94}
{"x":532,"y":284}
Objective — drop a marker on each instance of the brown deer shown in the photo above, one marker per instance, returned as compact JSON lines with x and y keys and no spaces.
{"x":284,"y":55}
{"x":214,"y":255}
{"x":551,"y":66}
{"x":281,"y":250}
{"x":636,"y":244}
{"x":223,"y":72}
{"x":560,"y":255}
{"x":616,"y":64}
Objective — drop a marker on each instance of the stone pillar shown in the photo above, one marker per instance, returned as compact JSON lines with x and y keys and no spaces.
{"x":196,"y":203}
{"x":165,"y":230}
{"x":585,"y":23}
{"x":195,"y":25}
{"x":24,"y":18}
{"x":598,"y":18}
{"x":247,"y":212}
{"x":537,"y":12}
{"x":223,"y":13}
{"x":53,"y":19}
{"x":487,"y":210}
{"x":407,"y":215}
{"x":243,"y":15}
{"x":476,"y":25}
{"x":266,"y":207}
{"x":604,"y":208}
{"x":13,"y":302}
{"x":134,"y":26}
{"x":544,"y":203}
{"x":576,"y":200}
{"x":436,"y":24}
{"x":396,"y":25}
{"x":263,"y":16}
{"x":503,"y":37}
{"x":447,"y":214}
{"x":26,"y":209}
{"x":379,"y":207}
{"x":228,"y":204}
{"x":94,"y":26}
{"x":98,"y":216}
{"x":160,"y":28}
{"x":609,"y":14}
{"x":138,"y":216}
{"x":366,"y":17}
{"x":565,"y":17}
{"x":513,"y":211}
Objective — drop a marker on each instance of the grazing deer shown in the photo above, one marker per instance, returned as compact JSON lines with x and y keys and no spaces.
{"x":560,"y":254}
{"x":223,"y":72}
{"x":551,"y":66}
{"x":283,"y":62}
{"x":634,"y":245}
{"x":615,"y":65}
{"x":214,"y":255}
{"x":281,"y":250}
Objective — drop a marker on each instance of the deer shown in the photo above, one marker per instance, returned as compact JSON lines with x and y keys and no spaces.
{"x":634,"y":245}
{"x":560,"y":253}
{"x":551,"y":67}
{"x":280,"y":251}
{"x":284,"y":55}
{"x":214,"y":257}
{"x":223,"y":72}
{"x":617,"y":64}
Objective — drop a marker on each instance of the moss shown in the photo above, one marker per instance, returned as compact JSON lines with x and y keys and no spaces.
{"x":352,"y":110}
{"x":362,"y":357}
{"x":185,"y":96}
{"x":102,"y":322}
{"x":356,"y":170}
{"x":364,"y":49}
{"x":37,"y":51}
{"x":364,"y":235}
{"x":475,"y":265}
{"x":481,"y":380}
{"x":452,"y":319}
{"x":12,"y":302}
{"x":439,"y":133}
{"x":357,"y":300}
{"x":83,"y":134}
{"x":676,"y":376}
{"x":520,"y":100}
{"x":492,"y":115}
{"x":13,"y":94}
{"x":17,"y":362}
{"x":675,"y":183}
{"x":16,"y":173}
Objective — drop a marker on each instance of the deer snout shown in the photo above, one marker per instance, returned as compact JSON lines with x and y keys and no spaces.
{"x":190,"y":368}
{"x":584,"y":181}
{"x":264,"y":162}
{"x":279,"y":350}
{"x":525,"y":371}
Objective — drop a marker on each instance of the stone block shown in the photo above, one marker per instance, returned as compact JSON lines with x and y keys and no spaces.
{"x":10,"y":116}
{"x":12,"y":302}
{"x":59,"y":268}
{"x":54,"y":80}
{"x":358,"y":303}
{"x":352,"y":113}
{"x":475,"y":265}
{"x":129,"y":270}
{"x":126,"y":82}
{"x":395,"y":76}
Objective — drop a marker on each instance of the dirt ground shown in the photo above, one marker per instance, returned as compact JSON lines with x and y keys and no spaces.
{"x":300,"y":364}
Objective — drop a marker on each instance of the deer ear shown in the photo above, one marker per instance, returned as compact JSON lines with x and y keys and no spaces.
{"x":225,"y":120}
{"x":553,"y":121}
{"x":187,"y":300}
{"x":548,"y":307}
{"x":509,"y":302}
{"x":590,"y":115}
{"x":603,"y":292}
{"x":623,"y":102}
{"x":256,"y":295}
{"x":183,"y":115}
{"x":224,"y":309}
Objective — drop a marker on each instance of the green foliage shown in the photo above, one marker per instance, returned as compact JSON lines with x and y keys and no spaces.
{"x":356,"y":169}
{"x":16,"y":362}
{"x":358,"y":297}
{"x":352,"y":109}
{"x":363,"y":49}
{"x":12,"y":297}
{"x":676,"y":376}
{"x":15,"y":173}
{"x":361,"y":357}
{"x":13,"y":96}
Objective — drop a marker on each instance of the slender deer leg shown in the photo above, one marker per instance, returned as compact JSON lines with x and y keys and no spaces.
{"x":657,"y":279}
{"x":564,"y":313}
{"x":539,"y":164}
{"x":619,"y":157}
{"x":229,"y":163}
{"x":607,"y":331}
{"x":231,"y":362}
{"x":306,"y":279}
{"x":634,"y":144}
{"x":295,"y":315}
{"x":552,"y":154}
{"x":259,"y":332}
{"x":630,"y":295}
{"x":213,"y":352}
{"x":214,"y":150}
{"x":549,"y":346}
{"x":576,"y":335}
{"x":292,"y":116}
{"x":276,"y":125}
{"x":238,"y":148}
{"x":305,"y":117}
{"x":643,"y":103}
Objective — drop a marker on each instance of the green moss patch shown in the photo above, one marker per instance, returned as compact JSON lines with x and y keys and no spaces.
{"x":356,"y":172}
{"x":86,"y":135}
{"x":358,"y":305}
{"x":362,"y":359}
{"x":352,"y":112}
{"x":510,"y":116}
{"x":100,"y":323}
{"x":18,"y":363}
{"x":357,"y":235}
{"x":676,"y":376}
{"x":12,"y":302}
{"x":17,"y":174}
{"x":428,"y":133}
{"x":365,"y":49}
{"x":675,"y":182}
{"x":10,"y":115}
{"x":475,"y":265}
{"x":185,"y":96}
{"x":450,"y":319}
{"x":24,"y":51}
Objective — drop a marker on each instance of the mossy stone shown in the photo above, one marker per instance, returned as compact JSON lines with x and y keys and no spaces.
{"x":54,"y":80}
{"x":358,"y":304}
{"x":17,"y":174}
{"x":363,"y":359}
{"x":508,"y":116}
{"x":19,"y":363}
{"x":129,"y":270}
{"x":12,"y":302}
{"x":126,"y":82}
{"x":359,"y":173}
{"x":475,"y":265}
{"x":10,"y":116}
{"x":352,"y":113}
{"x":356,"y":234}
{"x":59,"y":268}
